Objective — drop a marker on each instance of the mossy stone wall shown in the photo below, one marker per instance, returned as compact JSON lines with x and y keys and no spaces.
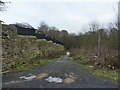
{"x":19,"y":48}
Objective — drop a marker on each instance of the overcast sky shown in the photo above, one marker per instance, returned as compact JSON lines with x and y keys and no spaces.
{"x":70,"y":15}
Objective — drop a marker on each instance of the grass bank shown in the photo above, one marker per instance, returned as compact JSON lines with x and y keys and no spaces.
{"x":23,"y":66}
{"x":102,"y":72}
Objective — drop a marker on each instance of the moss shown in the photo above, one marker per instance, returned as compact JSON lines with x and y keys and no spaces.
{"x":24,"y":67}
{"x":36,"y":63}
{"x":43,"y":62}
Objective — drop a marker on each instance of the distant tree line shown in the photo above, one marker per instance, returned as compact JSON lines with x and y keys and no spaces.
{"x":108,"y":37}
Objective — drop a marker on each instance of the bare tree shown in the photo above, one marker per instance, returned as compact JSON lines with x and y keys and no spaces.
{"x":94,"y":26}
{"x":43,"y":27}
{"x":112,"y":25}
{"x":2,"y":5}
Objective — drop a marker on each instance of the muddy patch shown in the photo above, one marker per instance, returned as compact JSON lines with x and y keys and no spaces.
{"x":70,"y":78}
{"x":42,"y":75}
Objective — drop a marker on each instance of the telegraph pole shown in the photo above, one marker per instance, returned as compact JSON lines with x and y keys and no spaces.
{"x":98,"y":44}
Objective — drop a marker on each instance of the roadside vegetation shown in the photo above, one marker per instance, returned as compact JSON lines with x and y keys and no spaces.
{"x":96,"y":70}
{"x":34,"y":62}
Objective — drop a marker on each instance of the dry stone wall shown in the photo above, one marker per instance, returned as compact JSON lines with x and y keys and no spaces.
{"x":19,"y":48}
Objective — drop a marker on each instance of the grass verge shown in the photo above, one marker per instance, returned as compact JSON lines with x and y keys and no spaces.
{"x":36,"y":63}
{"x":32,"y":64}
{"x":102,"y":72}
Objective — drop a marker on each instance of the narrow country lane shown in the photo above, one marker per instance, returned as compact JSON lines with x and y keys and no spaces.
{"x":72,"y":74}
